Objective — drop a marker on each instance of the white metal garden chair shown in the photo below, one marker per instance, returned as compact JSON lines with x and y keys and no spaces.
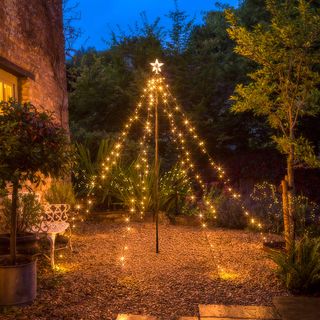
{"x":55,"y":221}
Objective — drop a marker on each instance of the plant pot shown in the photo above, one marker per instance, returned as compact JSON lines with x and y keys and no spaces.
{"x":18,"y":284}
{"x":27,"y":243}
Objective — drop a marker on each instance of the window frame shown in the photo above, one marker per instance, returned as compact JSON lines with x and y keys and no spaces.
{"x":10,"y":80}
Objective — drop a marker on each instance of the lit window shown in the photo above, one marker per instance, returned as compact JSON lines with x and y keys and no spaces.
{"x":8,"y":86}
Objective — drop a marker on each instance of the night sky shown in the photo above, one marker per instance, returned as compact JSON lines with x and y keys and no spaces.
{"x":98,"y":17}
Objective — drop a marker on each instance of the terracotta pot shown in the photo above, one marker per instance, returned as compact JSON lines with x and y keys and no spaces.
{"x":18,"y":284}
{"x":27,"y":243}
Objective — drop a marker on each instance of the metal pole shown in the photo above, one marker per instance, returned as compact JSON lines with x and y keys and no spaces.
{"x":156,"y":168}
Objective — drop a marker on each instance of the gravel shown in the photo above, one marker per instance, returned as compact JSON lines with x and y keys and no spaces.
{"x":193,"y":267}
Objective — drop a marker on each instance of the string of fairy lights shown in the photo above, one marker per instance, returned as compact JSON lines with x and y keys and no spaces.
{"x":192,"y":132}
{"x":189,"y":167}
{"x":157,"y":92}
{"x":142,"y":166}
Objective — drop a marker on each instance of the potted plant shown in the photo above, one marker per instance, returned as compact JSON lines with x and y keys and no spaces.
{"x":32,"y":147}
{"x":29,"y":217}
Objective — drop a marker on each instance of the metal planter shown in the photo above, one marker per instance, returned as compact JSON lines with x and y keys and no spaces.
{"x":18,"y":284}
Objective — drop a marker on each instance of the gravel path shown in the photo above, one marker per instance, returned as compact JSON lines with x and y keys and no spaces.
{"x":92,"y":284}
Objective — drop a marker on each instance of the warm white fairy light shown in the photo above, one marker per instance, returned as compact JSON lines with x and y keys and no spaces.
{"x":201,"y":144}
{"x":190,"y":168}
{"x":157,"y":91}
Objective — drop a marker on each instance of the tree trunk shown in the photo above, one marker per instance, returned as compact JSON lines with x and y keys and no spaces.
{"x":291,"y":191}
{"x":288,"y":192}
{"x":13,"y":232}
{"x":286,"y":216}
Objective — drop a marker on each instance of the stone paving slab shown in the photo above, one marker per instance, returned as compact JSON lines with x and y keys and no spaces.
{"x":215,"y":318}
{"x":134,"y":317}
{"x":237,"y":312}
{"x":298,"y":308}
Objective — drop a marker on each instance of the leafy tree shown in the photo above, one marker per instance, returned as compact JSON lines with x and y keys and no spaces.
{"x":97,"y":96}
{"x":205,"y":76}
{"x":32,"y":147}
{"x":180,"y":31}
{"x":285,"y":86}
{"x":71,"y":33}
{"x":104,"y":87}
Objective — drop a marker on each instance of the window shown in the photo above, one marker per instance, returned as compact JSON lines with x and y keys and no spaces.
{"x":8,"y":86}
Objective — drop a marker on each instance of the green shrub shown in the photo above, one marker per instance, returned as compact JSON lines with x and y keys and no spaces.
{"x":88,"y":166}
{"x":299,"y":269}
{"x":307,"y":216}
{"x":60,"y":192}
{"x":29,"y":210}
{"x":126,"y":185}
{"x":267,"y":205}
{"x":228,"y":212}
{"x":175,"y":185}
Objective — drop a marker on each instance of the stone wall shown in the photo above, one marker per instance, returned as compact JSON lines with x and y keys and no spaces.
{"x":31,"y":38}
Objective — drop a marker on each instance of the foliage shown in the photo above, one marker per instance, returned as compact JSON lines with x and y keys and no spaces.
{"x":299,"y":269}
{"x":30,"y":141}
{"x":126,"y":186}
{"x":104,"y":87}
{"x":228,"y":212}
{"x":88,"y":166}
{"x":284,"y":87}
{"x":89,"y":162}
{"x":268,"y":207}
{"x":174,"y":188}
{"x":126,"y":183}
{"x":30,"y":213}
{"x":60,"y":191}
{"x":71,"y":33}
{"x":32,"y":147}
{"x":307,"y":216}
{"x":97,"y":96}
{"x":180,"y":31}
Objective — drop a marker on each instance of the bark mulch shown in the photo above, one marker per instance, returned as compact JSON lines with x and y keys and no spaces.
{"x":224,"y":267}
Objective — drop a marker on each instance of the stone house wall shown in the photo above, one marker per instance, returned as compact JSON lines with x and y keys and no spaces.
{"x":32,"y":48}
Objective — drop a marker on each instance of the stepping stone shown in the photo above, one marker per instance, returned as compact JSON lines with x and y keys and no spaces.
{"x":134,"y":317}
{"x":298,"y":308}
{"x":223,"y":312}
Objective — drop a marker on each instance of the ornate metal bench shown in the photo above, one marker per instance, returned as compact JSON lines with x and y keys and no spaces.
{"x":55,"y":221}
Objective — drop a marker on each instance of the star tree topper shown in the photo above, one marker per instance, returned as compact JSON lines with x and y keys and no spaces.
{"x":156,"y":66}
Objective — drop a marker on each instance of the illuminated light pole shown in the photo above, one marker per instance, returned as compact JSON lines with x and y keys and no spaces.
{"x":156,"y":68}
